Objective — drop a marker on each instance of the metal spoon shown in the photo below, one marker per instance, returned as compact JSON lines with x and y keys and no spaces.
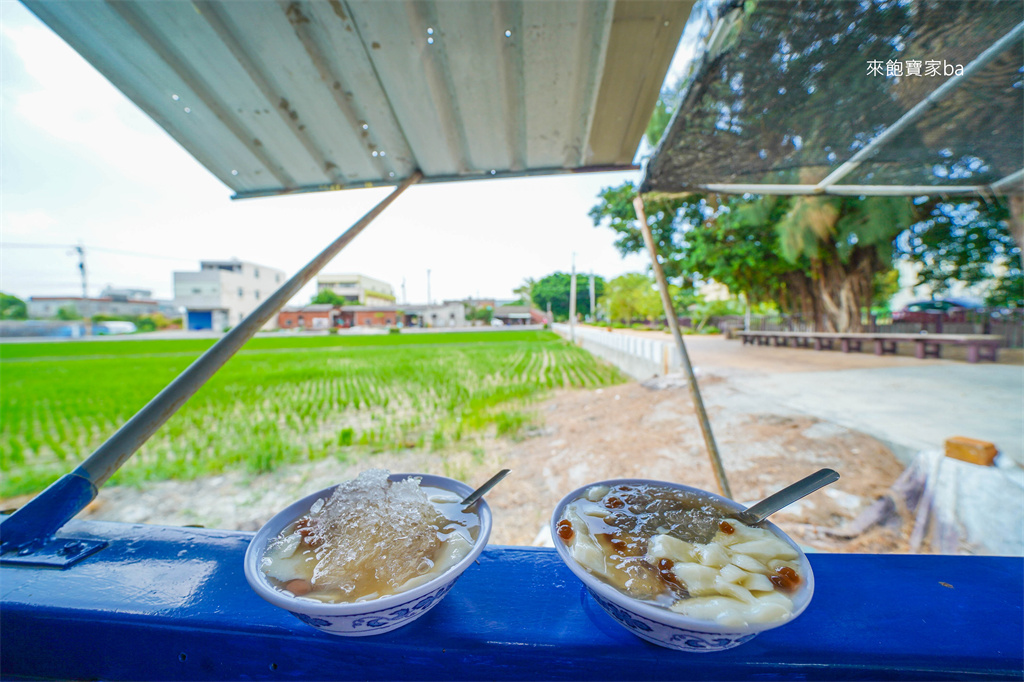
{"x":701,"y":524}
{"x":482,"y":490}
{"x":788,"y":495}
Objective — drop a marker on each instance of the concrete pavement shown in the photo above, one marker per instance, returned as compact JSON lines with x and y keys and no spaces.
{"x":910,"y":408}
{"x":909,"y":404}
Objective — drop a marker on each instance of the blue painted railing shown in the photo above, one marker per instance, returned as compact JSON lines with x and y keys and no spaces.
{"x":164,"y":603}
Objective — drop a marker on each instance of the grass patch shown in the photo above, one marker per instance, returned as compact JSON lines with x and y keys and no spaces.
{"x":280,"y":400}
{"x":511,"y":424}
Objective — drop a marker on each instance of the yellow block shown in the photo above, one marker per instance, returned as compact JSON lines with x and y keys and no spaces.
{"x":971,"y":450}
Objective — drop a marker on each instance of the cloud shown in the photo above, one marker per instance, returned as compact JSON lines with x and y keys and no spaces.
{"x":25,"y":224}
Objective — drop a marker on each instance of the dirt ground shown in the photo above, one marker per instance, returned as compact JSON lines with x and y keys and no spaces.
{"x":648,"y":430}
{"x":637,"y":429}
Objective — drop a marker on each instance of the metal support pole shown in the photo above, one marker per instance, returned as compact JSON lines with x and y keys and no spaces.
{"x":673,"y":323}
{"x":572,"y":301}
{"x":1010,"y":184}
{"x":55,"y":506}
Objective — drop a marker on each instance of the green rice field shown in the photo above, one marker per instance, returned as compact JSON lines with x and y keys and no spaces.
{"x":281,"y":399}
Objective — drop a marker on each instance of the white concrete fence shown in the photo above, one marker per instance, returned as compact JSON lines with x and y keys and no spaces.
{"x":638,"y":357}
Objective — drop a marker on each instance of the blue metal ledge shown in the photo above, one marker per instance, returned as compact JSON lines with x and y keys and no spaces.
{"x":165,"y":603}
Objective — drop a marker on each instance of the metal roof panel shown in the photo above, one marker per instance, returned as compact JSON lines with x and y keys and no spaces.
{"x":277,"y":97}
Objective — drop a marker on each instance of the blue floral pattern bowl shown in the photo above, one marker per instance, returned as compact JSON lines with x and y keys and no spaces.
{"x":374,"y":616}
{"x":660,"y":625}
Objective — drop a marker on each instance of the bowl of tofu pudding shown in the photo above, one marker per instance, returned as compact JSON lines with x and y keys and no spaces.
{"x":670,"y":563}
{"x":369,"y":555}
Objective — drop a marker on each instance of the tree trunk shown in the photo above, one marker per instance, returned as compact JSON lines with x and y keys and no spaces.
{"x":843,"y":289}
{"x":834,"y":294}
{"x":799,"y":298}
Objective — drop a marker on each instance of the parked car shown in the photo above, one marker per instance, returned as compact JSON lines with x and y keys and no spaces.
{"x":926,"y":312}
{"x":113,"y":327}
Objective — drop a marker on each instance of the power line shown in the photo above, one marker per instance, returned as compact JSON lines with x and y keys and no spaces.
{"x":44,"y":281}
{"x":80,"y":251}
{"x":93,"y":248}
{"x":142,"y":255}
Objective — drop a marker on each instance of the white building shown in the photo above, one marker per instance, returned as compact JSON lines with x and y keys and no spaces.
{"x":222,"y":293}
{"x":447,"y":314}
{"x":357,"y":288}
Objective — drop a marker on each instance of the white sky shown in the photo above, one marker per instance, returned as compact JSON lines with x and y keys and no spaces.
{"x":79,"y":163}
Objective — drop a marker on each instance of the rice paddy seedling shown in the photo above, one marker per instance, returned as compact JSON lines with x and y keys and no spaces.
{"x":282,"y":399}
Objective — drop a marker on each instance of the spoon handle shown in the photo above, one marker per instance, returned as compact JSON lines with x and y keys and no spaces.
{"x":791,"y":493}
{"x":482,"y":490}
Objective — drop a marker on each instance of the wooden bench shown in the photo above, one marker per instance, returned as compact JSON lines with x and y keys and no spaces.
{"x":979,"y":346}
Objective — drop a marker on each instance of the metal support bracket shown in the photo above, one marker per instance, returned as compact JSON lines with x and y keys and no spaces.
{"x":52,"y":553}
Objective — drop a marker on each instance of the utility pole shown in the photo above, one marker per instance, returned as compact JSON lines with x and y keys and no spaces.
{"x":593,"y":300}
{"x":572,"y":301}
{"x":87,"y":321}
{"x":81,"y":267}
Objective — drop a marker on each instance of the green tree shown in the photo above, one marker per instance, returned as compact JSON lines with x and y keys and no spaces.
{"x":555,"y":288}
{"x":967,"y":242}
{"x":660,"y":118}
{"x":68,"y":312}
{"x":523,"y":291}
{"x":739,"y":248}
{"x":631,"y":297}
{"x":840,"y":244}
{"x":483,"y":313}
{"x":12,"y":308}
{"x":703,"y":309}
{"x":665,"y":214}
{"x":1006,"y":292}
{"x":886,"y":285}
{"x":814,"y":255}
{"x":328,"y":297}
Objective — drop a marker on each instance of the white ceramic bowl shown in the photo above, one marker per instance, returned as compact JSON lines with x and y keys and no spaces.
{"x":660,"y":625}
{"x":376,"y":615}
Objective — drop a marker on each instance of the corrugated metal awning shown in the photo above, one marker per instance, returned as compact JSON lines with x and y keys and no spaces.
{"x":280,"y":97}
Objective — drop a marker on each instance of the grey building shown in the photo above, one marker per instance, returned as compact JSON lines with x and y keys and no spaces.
{"x":114,"y":302}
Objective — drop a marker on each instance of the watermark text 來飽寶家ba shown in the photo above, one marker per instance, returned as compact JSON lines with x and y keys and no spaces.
{"x":913,"y":67}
